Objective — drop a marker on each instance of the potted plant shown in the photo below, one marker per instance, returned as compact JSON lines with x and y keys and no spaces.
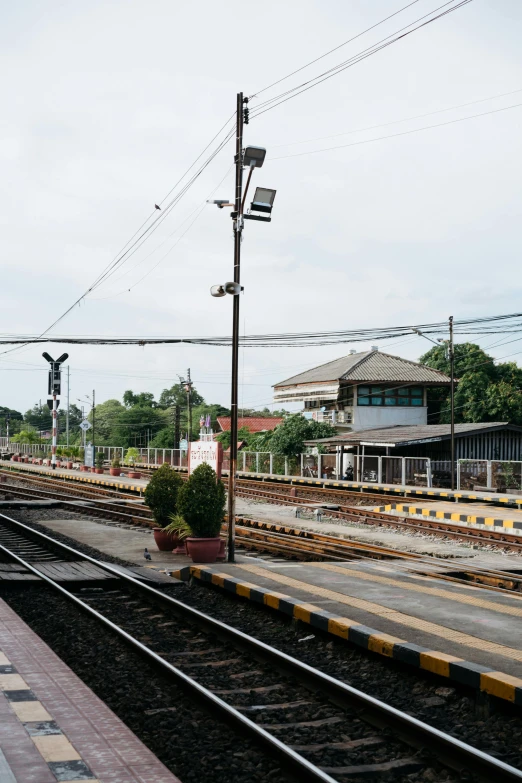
{"x":201,"y":503}
{"x":115,"y":468}
{"x":180,"y":531}
{"x":161,"y":496}
{"x":100,"y":459}
{"x":132,"y":455}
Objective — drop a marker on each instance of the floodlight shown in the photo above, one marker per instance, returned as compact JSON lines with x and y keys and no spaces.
{"x":254,"y":157}
{"x":218,"y":290}
{"x":62,"y":358}
{"x":48,"y":357}
{"x":263,"y":200}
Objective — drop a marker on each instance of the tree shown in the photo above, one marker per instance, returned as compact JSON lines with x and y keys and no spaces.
{"x":142,"y":398}
{"x":289,"y":437}
{"x":106,"y":417}
{"x":484,"y":392}
{"x":136,"y":426}
{"x":243,"y":434}
{"x":39,"y":417}
{"x":177,"y":395}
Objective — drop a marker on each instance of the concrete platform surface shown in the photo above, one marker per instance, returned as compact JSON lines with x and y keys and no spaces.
{"x":52,"y":726}
{"x":461,"y":621}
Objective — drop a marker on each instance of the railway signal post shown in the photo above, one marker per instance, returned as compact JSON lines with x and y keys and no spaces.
{"x":54,"y":390}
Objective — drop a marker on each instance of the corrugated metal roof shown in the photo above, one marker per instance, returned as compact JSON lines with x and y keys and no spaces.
{"x":371,"y":367}
{"x":252,"y":423}
{"x":416,"y":432}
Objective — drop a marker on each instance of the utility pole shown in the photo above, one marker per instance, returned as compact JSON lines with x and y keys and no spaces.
{"x":188,"y":387}
{"x":452,"y":395}
{"x":7,"y":418}
{"x":93,"y":405}
{"x":67,"y":412}
{"x":238,"y":228}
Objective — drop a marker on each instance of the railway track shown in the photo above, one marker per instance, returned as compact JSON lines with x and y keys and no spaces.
{"x":317,"y":727}
{"x":280,"y":540}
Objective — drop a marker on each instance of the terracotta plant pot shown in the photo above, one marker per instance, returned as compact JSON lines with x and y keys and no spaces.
{"x":222,"y":553}
{"x":98,"y":470}
{"x":165,"y":542}
{"x":69,"y":465}
{"x":203,"y":550}
{"x":40,"y":461}
{"x":115,"y":471}
{"x":181,"y":548}
{"x":133,"y":474}
{"x":84,"y":468}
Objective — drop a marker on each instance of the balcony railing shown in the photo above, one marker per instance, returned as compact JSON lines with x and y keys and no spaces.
{"x":333,"y":417}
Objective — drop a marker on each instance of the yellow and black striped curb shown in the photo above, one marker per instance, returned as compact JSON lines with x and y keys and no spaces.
{"x":470,"y":519}
{"x":62,"y":759}
{"x":84,"y":479}
{"x":474,"y":675}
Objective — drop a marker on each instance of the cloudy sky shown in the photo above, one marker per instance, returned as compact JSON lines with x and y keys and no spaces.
{"x":105,"y":105}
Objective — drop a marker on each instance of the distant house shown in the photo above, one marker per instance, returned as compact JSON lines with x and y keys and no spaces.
{"x":363,"y":390}
{"x":251,"y":423}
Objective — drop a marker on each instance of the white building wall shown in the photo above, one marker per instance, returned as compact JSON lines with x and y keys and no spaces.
{"x":365,"y":416}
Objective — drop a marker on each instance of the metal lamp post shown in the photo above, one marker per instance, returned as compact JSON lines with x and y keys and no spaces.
{"x":251,"y":157}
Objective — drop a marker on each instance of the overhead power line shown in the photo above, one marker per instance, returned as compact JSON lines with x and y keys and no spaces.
{"x":403,"y":32}
{"x":497,"y":324}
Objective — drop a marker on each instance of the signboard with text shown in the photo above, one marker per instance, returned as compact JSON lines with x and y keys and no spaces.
{"x":89,"y":455}
{"x":210,"y":452}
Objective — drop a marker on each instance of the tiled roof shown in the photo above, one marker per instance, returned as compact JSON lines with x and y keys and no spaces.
{"x":416,"y":432}
{"x":370,"y":367}
{"x":252,"y":423}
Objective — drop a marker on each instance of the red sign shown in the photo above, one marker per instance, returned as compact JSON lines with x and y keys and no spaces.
{"x":205,"y":451}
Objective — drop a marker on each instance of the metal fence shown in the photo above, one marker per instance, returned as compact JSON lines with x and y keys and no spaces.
{"x":486,"y":475}
{"x":492,"y":475}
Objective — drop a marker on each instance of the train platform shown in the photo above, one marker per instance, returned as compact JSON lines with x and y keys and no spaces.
{"x":52,"y":726}
{"x":481,"y":514}
{"x":399,"y":610}
{"x":138,"y":485}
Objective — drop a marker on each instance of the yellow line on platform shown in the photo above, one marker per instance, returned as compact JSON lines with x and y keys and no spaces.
{"x":389,"y":614}
{"x":437,"y":591}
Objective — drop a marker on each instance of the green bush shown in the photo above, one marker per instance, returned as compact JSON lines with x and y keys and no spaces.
{"x":100,"y":459}
{"x":201,"y":502}
{"x":116,"y":463}
{"x":132,"y":455}
{"x":162,"y":493}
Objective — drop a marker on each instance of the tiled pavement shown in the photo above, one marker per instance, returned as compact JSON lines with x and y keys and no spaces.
{"x":52,"y":726}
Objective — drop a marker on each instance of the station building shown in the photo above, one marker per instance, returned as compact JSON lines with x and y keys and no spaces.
{"x":363,"y":390}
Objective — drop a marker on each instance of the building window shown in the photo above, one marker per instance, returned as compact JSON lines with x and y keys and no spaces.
{"x":378,"y":395}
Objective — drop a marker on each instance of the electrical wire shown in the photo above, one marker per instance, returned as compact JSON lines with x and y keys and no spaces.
{"x":335,"y":49}
{"x":396,"y":135}
{"x":396,"y":122}
{"x":277,"y":100}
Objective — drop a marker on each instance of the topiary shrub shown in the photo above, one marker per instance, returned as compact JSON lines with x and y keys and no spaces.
{"x":201,"y":502}
{"x":162,"y":493}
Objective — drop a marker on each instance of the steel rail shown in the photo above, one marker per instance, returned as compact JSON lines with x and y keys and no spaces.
{"x":284,"y":540}
{"x":452,"y":751}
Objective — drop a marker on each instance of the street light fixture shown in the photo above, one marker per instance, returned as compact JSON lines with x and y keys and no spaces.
{"x":251,"y":157}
